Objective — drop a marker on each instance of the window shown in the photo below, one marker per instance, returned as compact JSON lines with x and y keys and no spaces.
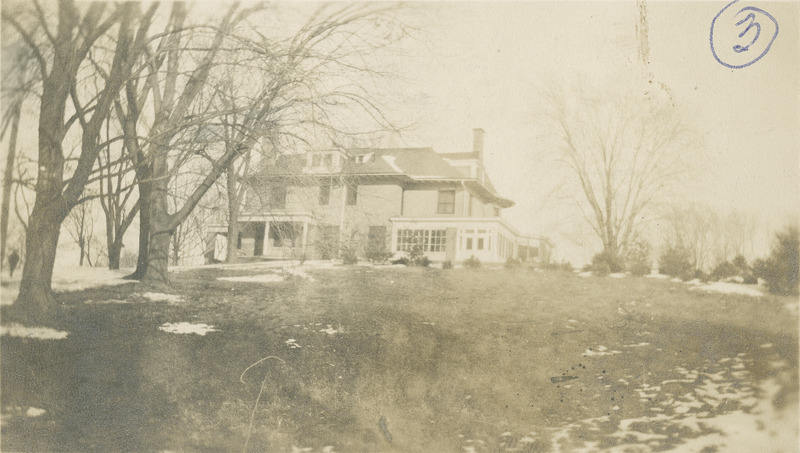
{"x":329,"y":160}
{"x":324,"y":194}
{"x":277,"y":197}
{"x":447,"y":202}
{"x":469,"y":244}
{"x":480,"y":243}
{"x":239,"y":241}
{"x":363,"y":158}
{"x":352,"y":195}
{"x":316,"y":160}
{"x":429,"y":240}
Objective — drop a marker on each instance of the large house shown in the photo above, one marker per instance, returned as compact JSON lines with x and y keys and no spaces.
{"x":313,"y":204}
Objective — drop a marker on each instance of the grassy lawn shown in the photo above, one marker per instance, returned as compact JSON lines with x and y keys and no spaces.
{"x":405,"y":359}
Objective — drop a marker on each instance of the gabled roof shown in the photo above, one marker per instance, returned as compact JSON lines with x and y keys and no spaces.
{"x":416,"y":164}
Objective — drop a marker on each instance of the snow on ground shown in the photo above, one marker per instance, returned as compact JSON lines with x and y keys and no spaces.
{"x":751,"y":423}
{"x":618,"y":275}
{"x":161,"y":297}
{"x":72,"y":278}
{"x":730,"y":288}
{"x":261,"y":278}
{"x":585,"y":274}
{"x":661,"y":276}
{"x":37,"y":333}
{"x":599,"y":351}
{"x":187,"y":327}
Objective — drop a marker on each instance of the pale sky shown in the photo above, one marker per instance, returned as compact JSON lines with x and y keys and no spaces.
{"x":484,"y":64}
{"x":491,"y":60}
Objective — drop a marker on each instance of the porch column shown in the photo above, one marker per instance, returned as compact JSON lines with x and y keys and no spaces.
{"x":305,"y":235}
{"x":266,"y":237}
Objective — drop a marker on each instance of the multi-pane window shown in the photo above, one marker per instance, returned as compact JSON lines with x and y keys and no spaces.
{"x":277,"y":197}
{"x":429,"y":240}
{"x":324,"y":194}
{"x":447,"y":202}
{"x":352,"y":194}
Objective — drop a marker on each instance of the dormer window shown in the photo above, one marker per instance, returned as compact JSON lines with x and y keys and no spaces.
{"x":328,"y":159}
{"x":363,"y":158}
{"x":316,"y":160}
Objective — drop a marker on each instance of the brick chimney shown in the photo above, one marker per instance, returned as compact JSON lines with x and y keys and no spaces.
{"x":477,"y":143}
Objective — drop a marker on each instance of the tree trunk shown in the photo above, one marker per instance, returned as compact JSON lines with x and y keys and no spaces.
{"x":159,"y":224}
{"x":81,"y":243}
{"x":144,"y":174}
{"x":114,"y":252}
{"x":35,"y":296}
{"x":8,"y":180}
{"x":232,"y":253}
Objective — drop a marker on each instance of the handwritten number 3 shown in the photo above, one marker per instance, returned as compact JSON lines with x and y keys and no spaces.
{"x":724,"y":46}
{"x":752,"y":17}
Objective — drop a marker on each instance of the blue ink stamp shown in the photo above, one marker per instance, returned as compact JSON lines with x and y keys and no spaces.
{"x":741,"y":36}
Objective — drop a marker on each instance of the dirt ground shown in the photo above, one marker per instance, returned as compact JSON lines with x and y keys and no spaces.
{"x":326,"y":358}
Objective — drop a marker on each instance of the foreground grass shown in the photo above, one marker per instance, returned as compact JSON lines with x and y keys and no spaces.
{"x":388,"y":360}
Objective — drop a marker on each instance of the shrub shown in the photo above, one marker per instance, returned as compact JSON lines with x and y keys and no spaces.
{"x":349,"y":255}
{"x":376,"y":250}
{"x":741,"y":265}
{"x":601,"y":269}
{"x":447,"y":264}
{"x":402,"y":260}
{"x":760,"y":268}
{"x":674,"y":261}
{"x":724,"y":270}
{"x":700,"y":275}
{"x":637,"y":258}
{"x":606,"y":259}
{"x":782,"y":267}
{"x":513,"y":263}
{"x":750,"y":279}
{"x":473,"y":262}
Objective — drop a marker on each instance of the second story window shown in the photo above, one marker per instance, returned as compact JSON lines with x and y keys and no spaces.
{"x":324,"y":194}
{"x":328,"y":160}
{"x":316,"y":160}
{"x":277,"y":197}
{"x":447,"y":202}
{"x":352,"y":195}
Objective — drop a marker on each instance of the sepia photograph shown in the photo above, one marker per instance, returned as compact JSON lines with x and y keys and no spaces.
{"x":351,"y":226}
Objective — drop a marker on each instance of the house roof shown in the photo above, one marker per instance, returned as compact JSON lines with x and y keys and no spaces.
{"x":417,"y":164}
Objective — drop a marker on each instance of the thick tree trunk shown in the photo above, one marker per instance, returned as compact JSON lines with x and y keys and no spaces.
{"x":144,"y":174}
{"x":159,"y":224}
{"x":8,"y":180}
{"x":35,"y":297}
{"x":114,"y":252}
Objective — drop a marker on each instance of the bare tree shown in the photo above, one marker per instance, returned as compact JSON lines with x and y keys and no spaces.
{"x":60,"y":44}
{"x":295,"y":82}
{"x":623,"y":154}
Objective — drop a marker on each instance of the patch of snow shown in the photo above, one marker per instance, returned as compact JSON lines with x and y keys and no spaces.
{"x":329,"y":330}
{"x":186,"y":327}
{"x":292,"y":343}
{"x":263,"y":278}
{"x":391,"y":161}
{"x":729,"y":288}
{"x":599,"y":352}
{"x":34,"y":412}
{"x":107,"y":301}
{"x":767,"y":345}
{"x":639,"y":345}
{"x":161,"y":297}
{"x":676,"y":280}
{"x":660,"y":276}
{"x":585,"y":274}
{"x":36,"y":333}
{"x":695,"y":282}
{"x":618,"y":275}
